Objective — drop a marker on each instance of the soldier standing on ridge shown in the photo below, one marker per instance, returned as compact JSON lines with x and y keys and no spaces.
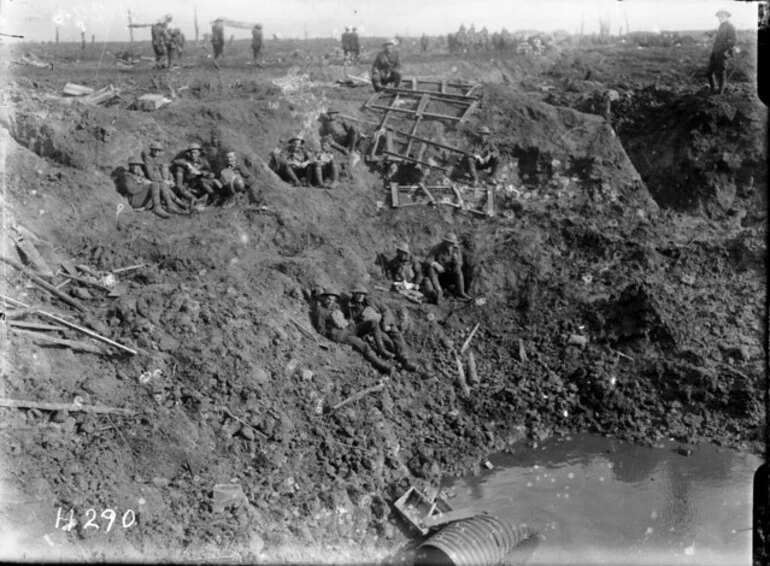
{"x":345,"y":41}
{"x":355,"y":44}
{"x":424,"y":43}
{"x":722,"y":51}
{"x":218,"y":38}
{"x":257,"y":41}
{"x":386,"y":67}
{"x":160,"y":38}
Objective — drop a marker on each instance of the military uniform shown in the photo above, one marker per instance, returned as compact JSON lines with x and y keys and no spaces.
{"x":331,"y":323}
{"x":424,"y":43}
{"x":486,"y":156}
{"x":218,"y":38}
{"x":257,"y":41}
{"x":443,"y":268}
{"x":294,"y":162}
{"x":174,"y":44}
{"x":343,"y":135}
{"x":194,"y":176}
{"x":392,"y":340}
{"x":236,"y":178}
{"x":160,"y":38}
{"x":325,"y":167}
{"x":158,"y":172}
{"x":723,"y":49}
{"x":345,"y":43}
{"x":386,"y":69}
{"x":355,"y":44}
{"x":139,"y":190}
{"x":404,"y":269}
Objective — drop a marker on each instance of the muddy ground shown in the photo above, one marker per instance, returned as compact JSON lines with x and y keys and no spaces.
{"x":645,"y":236}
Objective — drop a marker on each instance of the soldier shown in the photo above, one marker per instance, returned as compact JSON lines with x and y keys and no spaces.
{"x":330,"y":322}
{"x":325,"y":167}
{"x":355,"y":44}
{"x":403,"y":268}
{"x":363,"y":307}
{"x":139,"y":190}
{"x":386,"y":67}
{"x":444,"y":268}
{"x":193,"y":174}
{"x":158,"y":172}
{"x":424,"y":43}
{"x":485,"y":156}
{"x":218,"y":37}
{"x":721,"y":52}
{"x":160,"y":37}
{"x":174,"y":44}
{"x":236,"y":178}
{"x":345,"y":43}
{"x":294,"y":162}
{"x":343,"y":136}
{"x":257,"y":41}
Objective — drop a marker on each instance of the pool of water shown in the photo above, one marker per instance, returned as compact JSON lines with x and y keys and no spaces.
{"x":596,"y":500}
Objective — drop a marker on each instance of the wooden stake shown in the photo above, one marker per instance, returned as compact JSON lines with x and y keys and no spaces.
{"x":130,"y":27}
{"x":72,"y":326}
{"x":473,"y":377}
{"x":74,"y":344}
{"x":461,"y":376}
{"x":47,"y":286}
{"x":360,"y":395}
{"x":468,"y":340}
{"x":64,"y":407}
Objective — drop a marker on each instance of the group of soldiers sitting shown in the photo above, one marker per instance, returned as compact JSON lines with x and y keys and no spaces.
{"x":167,"y":42}
{"x":187,"y":181}
{"x":298,"y":164}
{"x":368,"y":324}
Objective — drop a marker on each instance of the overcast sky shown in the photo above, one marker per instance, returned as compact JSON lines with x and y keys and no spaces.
{"x":107,"y":19}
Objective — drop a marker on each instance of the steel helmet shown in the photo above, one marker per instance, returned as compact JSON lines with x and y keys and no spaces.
{"x":360,"y":290}
{"x":156,"y":145}
{"x":136,"y":160}
{"x":194,"y":145}
{"x":388,"y":42}
{"x":403,"y":247}
{"x":168,"y":17}
{"x":452,"y":239}
{"x":329,"y":292}
{"x":299,"y":137}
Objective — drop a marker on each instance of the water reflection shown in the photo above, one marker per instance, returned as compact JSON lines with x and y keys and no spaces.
{"x":592,"y":496}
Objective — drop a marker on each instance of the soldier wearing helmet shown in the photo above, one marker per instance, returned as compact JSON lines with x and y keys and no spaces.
{"x":354,"y":44}
{"x":174,"y":43}
{"x":345,"y":44}
{"x":344,"y":136}
{"x":724,"y":44}
{"x":362,"y":307}
{"x":236,"y":178}
{"x":193,"y":174}
{"x":330,"y":321}
{"x":403,"y":270}
{"x":293,"y":162}
{"x":156,"y":169}
{"x":218,"y":38}
{"x":257,"y":41}
{"x":160,"y":37}
{"x":324,"y":167}
{"x":443,"y":270}
{"x":386,"y":68}
{"x":142,"y":193}
{"x":484,"y":156}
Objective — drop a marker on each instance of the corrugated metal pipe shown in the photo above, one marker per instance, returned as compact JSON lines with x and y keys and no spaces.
{"x":483,"y":540}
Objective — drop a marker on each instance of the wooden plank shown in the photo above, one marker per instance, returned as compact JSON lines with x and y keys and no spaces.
{"x":444,"y":518}
{"x":413,"y":160}
{"x":394,"y":200}
{"x":471,"y":109}
{"x":429,"y":141}
{"x":444,"y":97}
{"x":443,"y":87}
{"x":410,"y":138}
{"x":372,"y":99}
{"x":490,"y":210}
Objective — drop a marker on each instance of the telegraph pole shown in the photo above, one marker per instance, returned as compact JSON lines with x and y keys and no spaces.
{"x":130,"y":26}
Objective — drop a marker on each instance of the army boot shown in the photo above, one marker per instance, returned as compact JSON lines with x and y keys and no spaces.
{"x":712,"y":85}
{"x":335,"y":175}
{"x":380,"y":346}
{"x":375,"y":361}
{"x":157,"y":206}
{"x":721,"y":77}
{"x":472,"y":170}
{"x":461,"y":287}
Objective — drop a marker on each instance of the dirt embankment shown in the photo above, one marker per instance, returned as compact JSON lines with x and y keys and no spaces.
{"x":669,"y":306}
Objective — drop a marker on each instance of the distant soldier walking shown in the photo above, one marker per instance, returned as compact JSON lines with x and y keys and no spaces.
{"x":218,"y":38}
{"x":386,"y":67}
{"x":354,"y":44}
{"x":424,"y":42}
{"x":721,"y":52}
{"x":160,"y":39}
{"x":257,"y":41}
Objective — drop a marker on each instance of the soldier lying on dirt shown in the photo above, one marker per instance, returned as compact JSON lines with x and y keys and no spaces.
{"x":142,"y":193}
{"x":330,"y":322}
{"x":236,"y":178}
{"x":293,"y":162}
{"x":486,"y":156}
{"x":326,"y":173}
{"x":443,"y":269}
{"x":361,"y":308}
{"x":194,"y":176}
